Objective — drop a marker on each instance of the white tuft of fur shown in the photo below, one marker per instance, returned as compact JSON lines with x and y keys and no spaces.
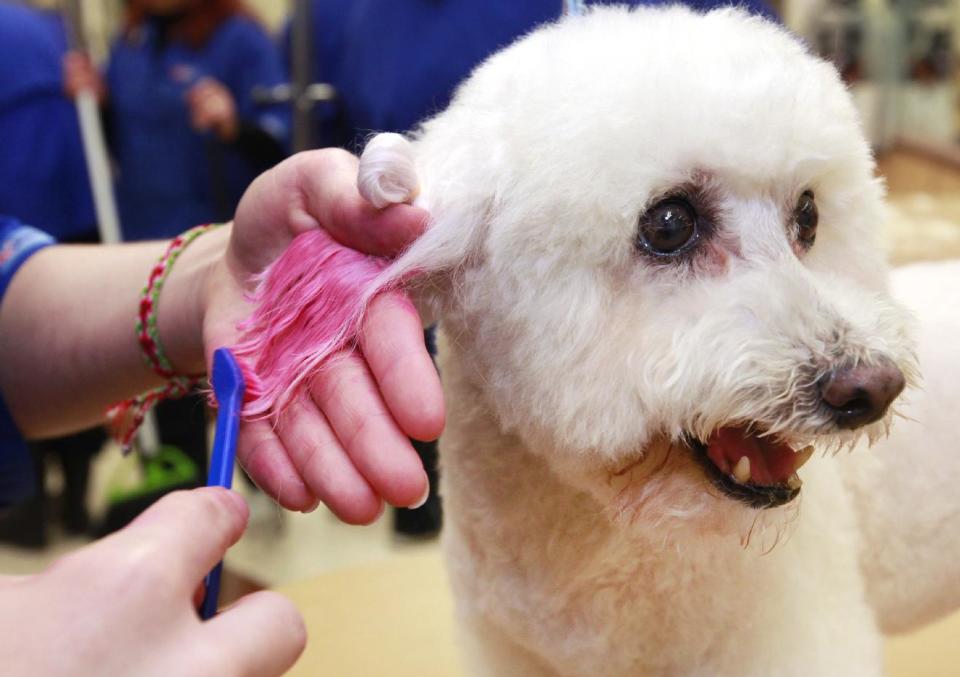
{"x":388,"y":172}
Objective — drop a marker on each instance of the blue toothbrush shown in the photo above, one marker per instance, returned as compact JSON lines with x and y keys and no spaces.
{"x":228,"y":387}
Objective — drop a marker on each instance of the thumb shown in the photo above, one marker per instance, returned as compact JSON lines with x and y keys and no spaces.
{"x":184,"y":534}
{"x":263,"y":632}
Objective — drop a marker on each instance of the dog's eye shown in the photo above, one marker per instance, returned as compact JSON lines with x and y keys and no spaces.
{"x":668,"y":227}
{"x":806,"y":217}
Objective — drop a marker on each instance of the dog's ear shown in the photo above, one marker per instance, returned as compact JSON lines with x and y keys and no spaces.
{"x":390,"y":173}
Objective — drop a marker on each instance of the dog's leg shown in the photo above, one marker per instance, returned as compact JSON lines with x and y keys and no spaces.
{"x":906,"y":487}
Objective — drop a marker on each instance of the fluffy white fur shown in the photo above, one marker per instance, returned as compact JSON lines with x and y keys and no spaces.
{"x":389,"y":176}
{"x":583,"y":539}
{"x":906,"y":486}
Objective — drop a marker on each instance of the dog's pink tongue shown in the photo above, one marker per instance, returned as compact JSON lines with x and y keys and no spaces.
{"x":771,"y":462}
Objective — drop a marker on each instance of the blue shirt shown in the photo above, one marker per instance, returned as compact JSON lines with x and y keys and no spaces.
{"x":17,"y":244}
{"x":43,"y":176}
{"x":171,"y":177}
{"x":396,"y":62}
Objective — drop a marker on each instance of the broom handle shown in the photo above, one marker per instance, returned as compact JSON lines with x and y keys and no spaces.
{"x":101,"y":180}
{"x":98,"y":167}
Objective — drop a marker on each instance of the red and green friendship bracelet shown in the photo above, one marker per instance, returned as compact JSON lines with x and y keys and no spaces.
{"x":125,"y":418}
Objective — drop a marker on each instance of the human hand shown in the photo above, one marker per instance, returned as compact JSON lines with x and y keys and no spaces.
{"x":80,"y":75}
{"x":347,"y":445}
{"x":212,"y":108}
{"x":126,"y":605}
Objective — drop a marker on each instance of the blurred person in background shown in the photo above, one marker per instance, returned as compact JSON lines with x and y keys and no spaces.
{"x":43,"y":177}
{"x":184,"y":127}
{"x":185,"y":130}
{"x":393,"y":63}
{"x":43,"y":181}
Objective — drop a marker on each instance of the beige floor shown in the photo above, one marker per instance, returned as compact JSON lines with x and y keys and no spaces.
{"x":320,"y":560}
{"x":402,"y":607}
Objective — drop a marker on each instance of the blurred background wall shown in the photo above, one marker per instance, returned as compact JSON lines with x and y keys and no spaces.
{"x":898,"y":56}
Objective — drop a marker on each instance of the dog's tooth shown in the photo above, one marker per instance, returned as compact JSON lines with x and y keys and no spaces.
{"x":794,"y":482}
{"x":741,"y":471}
{"x":802,"y":456}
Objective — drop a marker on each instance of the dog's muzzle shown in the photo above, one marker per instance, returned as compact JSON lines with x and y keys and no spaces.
{"x":760,"y":470}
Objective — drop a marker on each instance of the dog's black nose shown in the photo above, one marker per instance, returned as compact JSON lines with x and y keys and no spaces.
{"x":860,"y":395}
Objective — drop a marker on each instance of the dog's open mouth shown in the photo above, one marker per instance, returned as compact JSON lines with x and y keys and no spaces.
{"x":755,"y":469}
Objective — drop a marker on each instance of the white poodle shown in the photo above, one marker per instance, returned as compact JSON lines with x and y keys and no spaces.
{"x":654,"y":256}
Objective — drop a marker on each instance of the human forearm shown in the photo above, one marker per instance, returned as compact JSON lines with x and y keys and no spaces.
{"x":67,"y":341}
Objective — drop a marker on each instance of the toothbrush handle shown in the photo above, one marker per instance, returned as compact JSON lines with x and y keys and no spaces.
{"x":212,"y":584}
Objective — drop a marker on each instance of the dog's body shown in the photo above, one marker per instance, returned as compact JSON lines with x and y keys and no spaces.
{"x":654,"y":254}
{"x":584,"y":536}
{"x":904,"y":488}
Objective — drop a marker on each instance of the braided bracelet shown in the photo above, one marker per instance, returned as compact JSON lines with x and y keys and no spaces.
{"x":125,"y":418}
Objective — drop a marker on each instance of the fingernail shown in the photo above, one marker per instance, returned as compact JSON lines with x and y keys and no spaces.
{"x":423,"y":499}
{"x":313,"y":506}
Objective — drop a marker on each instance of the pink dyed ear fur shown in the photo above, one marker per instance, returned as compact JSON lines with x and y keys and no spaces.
{"x":309,"y":305}
{"x":310,"y":302}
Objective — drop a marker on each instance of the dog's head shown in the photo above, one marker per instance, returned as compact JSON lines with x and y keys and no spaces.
{"x":655,"y":241}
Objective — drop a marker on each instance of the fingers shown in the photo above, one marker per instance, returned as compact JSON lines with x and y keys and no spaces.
{"x":392,"y":343}
{"x":348,"y":445}
{"x":328,"y":182}
{"x":184,"y":534}
{"x":262,"y":634}
{"x":347,"y":394}
{"x":324,"y":464}
{"x":352,"y":446}
{"x":264,"y":458}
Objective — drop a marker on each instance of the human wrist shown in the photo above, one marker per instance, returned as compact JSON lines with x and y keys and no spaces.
{"x":183,"y":302}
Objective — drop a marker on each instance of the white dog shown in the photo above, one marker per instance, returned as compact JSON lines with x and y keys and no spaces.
{"x":654,"y":256}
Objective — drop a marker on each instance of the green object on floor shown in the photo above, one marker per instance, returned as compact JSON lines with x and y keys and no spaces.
{"x":168,"y":469}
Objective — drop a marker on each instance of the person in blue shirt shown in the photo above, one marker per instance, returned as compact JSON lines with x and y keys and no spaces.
{"x":393,"y":63}
{"x":43,"y":176}
{"x":182,"y":115}
{"x":125,"y":605}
